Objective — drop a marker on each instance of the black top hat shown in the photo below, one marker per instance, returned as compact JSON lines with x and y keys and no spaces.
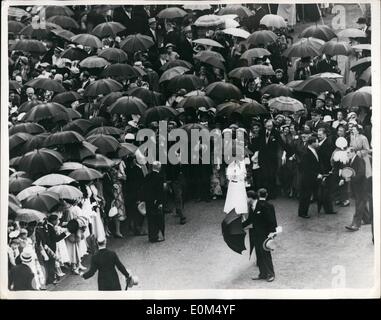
{"x":361,"y":20}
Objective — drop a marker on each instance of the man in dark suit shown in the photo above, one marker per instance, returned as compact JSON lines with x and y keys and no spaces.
{"x":270,"y":148}
{"x":316,"y":121}
{"x":105,"y":261}
{"x":185,"y":45}
{"x":21,"y":276}
{"x":358,"y":186}
{"x":325,"y":151}
{"x":152,"y":192}
{"x":310,"y":176}
{"x":123,"y":15}
{"x":263,"y":219}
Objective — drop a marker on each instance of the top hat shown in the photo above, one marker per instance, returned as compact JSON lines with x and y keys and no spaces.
{"x":361,"y":20}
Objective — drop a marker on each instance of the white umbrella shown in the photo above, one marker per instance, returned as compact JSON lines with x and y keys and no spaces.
{"x":274,"y":21}
{"x":208,"y":42}
{"x":235,"y":32}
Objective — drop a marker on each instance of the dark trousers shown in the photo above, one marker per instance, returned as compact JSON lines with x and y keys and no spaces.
{"x":136,"y":219}
{"x":268,"y":176}
{"x":326,"y":195}
{"x":306,"y":191}
{"x":50,"y":270}
{"x":361,"y":210}
{"x":155,"y":221}
{"x":264,"y":260}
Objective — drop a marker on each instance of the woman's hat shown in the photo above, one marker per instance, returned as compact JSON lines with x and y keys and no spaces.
{"x":269,"y":244}
{"x":26,"y":256}
{"x":341,"y":142}
{"x":327,"y":118}
{"x":170,"y":45}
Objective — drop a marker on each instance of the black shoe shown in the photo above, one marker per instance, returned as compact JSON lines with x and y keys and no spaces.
{"x":304,"y":216}
{"x":183,"y":220}
{"x":352,"y":228}
{"x":270,"y":279}
{"x":259,"y":278}
{"x":332,"y":212}
{"x":156,"y":240}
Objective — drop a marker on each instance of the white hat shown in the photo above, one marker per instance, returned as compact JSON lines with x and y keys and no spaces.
{"x":26,"y":256}
{"x":351,"y":114}
{"x":129,"y":136}
{"x":133,"y":124}
{"x":14,"y":234}
{"x":341,"y":142}
{"x":327,"y":118}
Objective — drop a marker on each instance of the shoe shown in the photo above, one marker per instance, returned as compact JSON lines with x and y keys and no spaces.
{"x":119,"y":236}
{"x":61,"y":274}
{"x":183,"y":220}
{"x":333,"y":212}
{"x":304,"y":216}
{"x":75,"y":271}
{"x":156,"y":240}
{"x":352,"y":228}
{"x":270,"y":279}
{"x":258,"y":278}
{"x":338,"y":202}
{"x":346,"y":203}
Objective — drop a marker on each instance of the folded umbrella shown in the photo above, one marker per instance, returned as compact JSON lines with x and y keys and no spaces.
{"x":172,"y":73}
{"x":283,"y":104}
{"x":136,"y":42}
{"x":85,"y":174}
{"x":29,"y":215}
{"x":17,"y":184}
{"x":221,"y":91}
{"x":104,"y":143}
{"x":322,"y":32}
{"x":66,"y":192}
{"x":53,"y":179}
{"x":102,"y":86}
{"x":94,"y":62}
{"x":171,"y":13}
{"x":261,"y":37}
{"x":46,"y":84}
{"x":81,"y":126}
{"x":107,"y":29}
{"x":87,"y":40}
{"x":44,"y":201}
{"x":113,"y":55}
{"x":40,"y":161}
{"x":233,"y":233}
{"x":128,"y":106}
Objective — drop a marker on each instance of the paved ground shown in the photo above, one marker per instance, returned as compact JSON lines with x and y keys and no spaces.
{"x":194,"y":256}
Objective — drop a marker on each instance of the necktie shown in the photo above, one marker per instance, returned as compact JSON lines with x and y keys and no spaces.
{"x":267,"y":136}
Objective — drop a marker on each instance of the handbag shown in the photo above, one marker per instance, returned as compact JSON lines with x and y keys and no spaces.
{"x":113,"y":211}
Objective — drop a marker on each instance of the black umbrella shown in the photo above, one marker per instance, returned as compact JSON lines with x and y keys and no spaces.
{"x":233,"y":233}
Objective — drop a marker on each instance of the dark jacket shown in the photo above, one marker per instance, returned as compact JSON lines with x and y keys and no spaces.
{"x":153,"y":188}
{"x":310,"y":168}
{"x":185,"y":49}
{"x":51,"y":237}
{"x":325,"y":153}
{"x":269,"y":152}
{"x":21,"y":277}
{"x":262,"y":218}
{"x":105,"y":261}
{"x":358,"y":181}
{"x":135,"y":178}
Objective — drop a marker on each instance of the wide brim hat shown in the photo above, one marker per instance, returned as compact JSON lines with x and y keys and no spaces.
{"x":269,"y":244}
{"x":26,"y":256}
{"x":341,"y":142}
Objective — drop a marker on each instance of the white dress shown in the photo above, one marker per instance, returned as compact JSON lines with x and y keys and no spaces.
{"x":61,"y":251}
{"x":287,"y":11}
{"x":236,"y":195}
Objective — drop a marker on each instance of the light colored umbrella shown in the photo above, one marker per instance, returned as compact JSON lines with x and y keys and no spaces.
{"x":255,"y":53}
{"x":364,"y":46}
{"x":235,"y":32}
{"x":53,"y":180}
{"x":365,"y":89}
{"x":69,"y":166}
{"x":273,"y":21}
{"x":328,"y":75}
{"x":87,"y":40}
{"x":263,"y":70}
{"x":229,"y":21}
{"x":171,"y":13}
{"x":67,"y":192}
{"x":351,"y":33}
{"x":261,"y":37}
{"x":306,"y":47}
{"x":335,"y":48}
{"x":172,"y":73}
{"x":29,"y":215}
{"x":285,"y":104}
{"x":208,"y":42}
{"x":94,"y":62}
{"x":209,"y":20}
{"x":22,"y":195}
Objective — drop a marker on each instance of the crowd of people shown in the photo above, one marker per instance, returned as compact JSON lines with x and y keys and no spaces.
{"x":299,"y":154}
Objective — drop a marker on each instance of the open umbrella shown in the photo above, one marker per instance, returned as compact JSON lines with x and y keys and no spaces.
{"x":227,"y":108}
{"x":74,"y":54}
{"x":29,"y":45}
{"x":251,"y":54}
{"x":45,"y":84}
{"x":102,"y":86}
{"x":208,"y":42}
{"x":107,"y":29}
{"x":17,"y":184}
{"x":17,"y":139}
{"x":199,"y":7}
{"x":13,"y":204}
{"x":335,"y":48}
{"x":171,"y":13}
{"x":99,"y":161}
{"x":114,"y":55}
{"x":236,"y":32}
{"x":233,"y":233}
{"x":62,"y":138}
{"x":328,"y":75}
{"x":351,"y":33}
{"x":362,"y":46}
{"x":29,"y":215}
{"x":50,"y":110}
{"x":15,"y":26}
{"x":43,"y":201}
{"x":87,"y":40}
{"x":79,"y":125}
{"x":108,"y":130}
{"x":261,"y":37}
{"x":32,"y":190}
{"x":121,"y":70}
{"x":66,"y":192}
{"x":67,"y":98}
{"x":239,"y":10}
{"x":366,"y":75}
{"x":322,"y":32}
{"x":150,"y":98}
{"x":273,"y":21}
{"x":63,"y":34}
{"x":263,"y":70}
{"x":306,"y":47}
{"x":243,"y":73}
{"x":85,"y":174}
{"x":283,"y":104}
{"x":64,"y":22}
{"x":209,"y":20}
{"x":27,"y":105}
{"x":172,"y":73}
{"x":276,"y":90}
{"x":80,"y":152}
{"x":50,"y":11}
{"x":221,"y":91}
{"x":104,"y":143}
{"x":126,"y":150}
{"x":158,"y":113}
{"x":136,"y":42}
{"x":189,"y":127}
{"x":128,"y":106}
{"x":176,"y":63}
{"x":94,"y":62}
{"x":70,"y":166}
{"x":361,"y":64}
{"x":365,"y":89}
{"x":318,"y":85}
{"x":210,"y":58}
{"x":35,"y":142}
{"x":40,"y":31}
{"x":357,"y":99}
{"x":40,"y":161}
{"x":196,"y":101}
{"x":188,"y":82}
{"x":53,"y":179}
{"x":251,"y":109}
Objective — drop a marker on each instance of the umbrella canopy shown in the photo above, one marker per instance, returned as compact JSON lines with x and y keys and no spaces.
{"x":102,"y":86}
{"x":85,"y":174}
{"x":357,"y":99}
{"x":208,"y":42}
{"x":188,"y":82}
{"x":306,"y":47}
{"x":17,"y":12}
{"x":113,"y":55}
{"x":150,"y":98}
{"x":108,"y":130}
{"x":40,"y":31}
{"x":196,"y":101}
{"x":172,"y":73}
{"x":227,"y":108}
{"x":261,"y":37}
{"x":233,"y":233}
{"x":335,"y":48}
{"x":63,"y":137}
{"x":243,"y":73}
{"x":363,"y":46}
{"x":235,"y":32}
{"x":66,"y":192}
{"x":136,"y":42}
{"x":209,"y":20}
{"x":366,"y":75}
{"x":30,"y":191}
{"x":64,"y":22}
{"x":221,"y":91}
{"x":27,"y":45}
{"x":74,"y":54}
{"x":63,"y":34}
{"x":27,"y":105}
{"x":251,"y":54}
{"x":322,"y":32}
{"x":18,"y":174}
{"x":104,"y":143}
{"x":199,"y":7}
{"x":176,"y":63}
{"x":81,"y":126}
{"x":318,"y":85}
{"x":171,"y":13}
{"x":239,"y":10}
{"x":361,"y":64}
{"x":53,"y":179}
{"x":35,"y":142}
{"x":158,"y":113}
{"x":15,"y":26}
{"x":107,"y":29}
{"x":43,"y":201}
{"x":70,"y":166}
{"x":263,"y":70}
{"x":17,"y":184}
{"x":29,"y":215}
{"x":365,"y":89}
{"x":17,"y":139}
{"x":273,"y":21}
{"x":251,"y":109}
{"x":67,"y":98}
{"x":50,"y":11}
{"x":328,"y":75}
{"x":99,"y":161}
{"x":128,"y":106}
{"x":40,"y":161}
{"x":283,"y":104}
{"x":45,"y":84}
{"x":50,"y":110}
{"x":14,"y":85}
{"x":80,"y":152}
{"x":13,"y":204}
{"x":122,"y":70}
{"x":276,"y":90}
{"x":351,"y":33}
{"x":126,"y":150}
{"x":94,"y":62}
{"x":87,"y":40}
{"x":211,"y":58}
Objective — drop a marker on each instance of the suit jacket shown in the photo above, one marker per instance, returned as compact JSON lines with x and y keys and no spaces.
{"x":325,"y":153}
{"x":358,"y":181}
{"x":105,"y":261}
{"x":21,"y":277}
{"x":310,"y":168}
{"x":51,"y":237}
{"x":134,"y":182}
{"x":269,"y":152}
{"x":262,"y":218}
{"x":119,"y":15}
{"x":153,"y":188}
{"x":185,"y":49}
